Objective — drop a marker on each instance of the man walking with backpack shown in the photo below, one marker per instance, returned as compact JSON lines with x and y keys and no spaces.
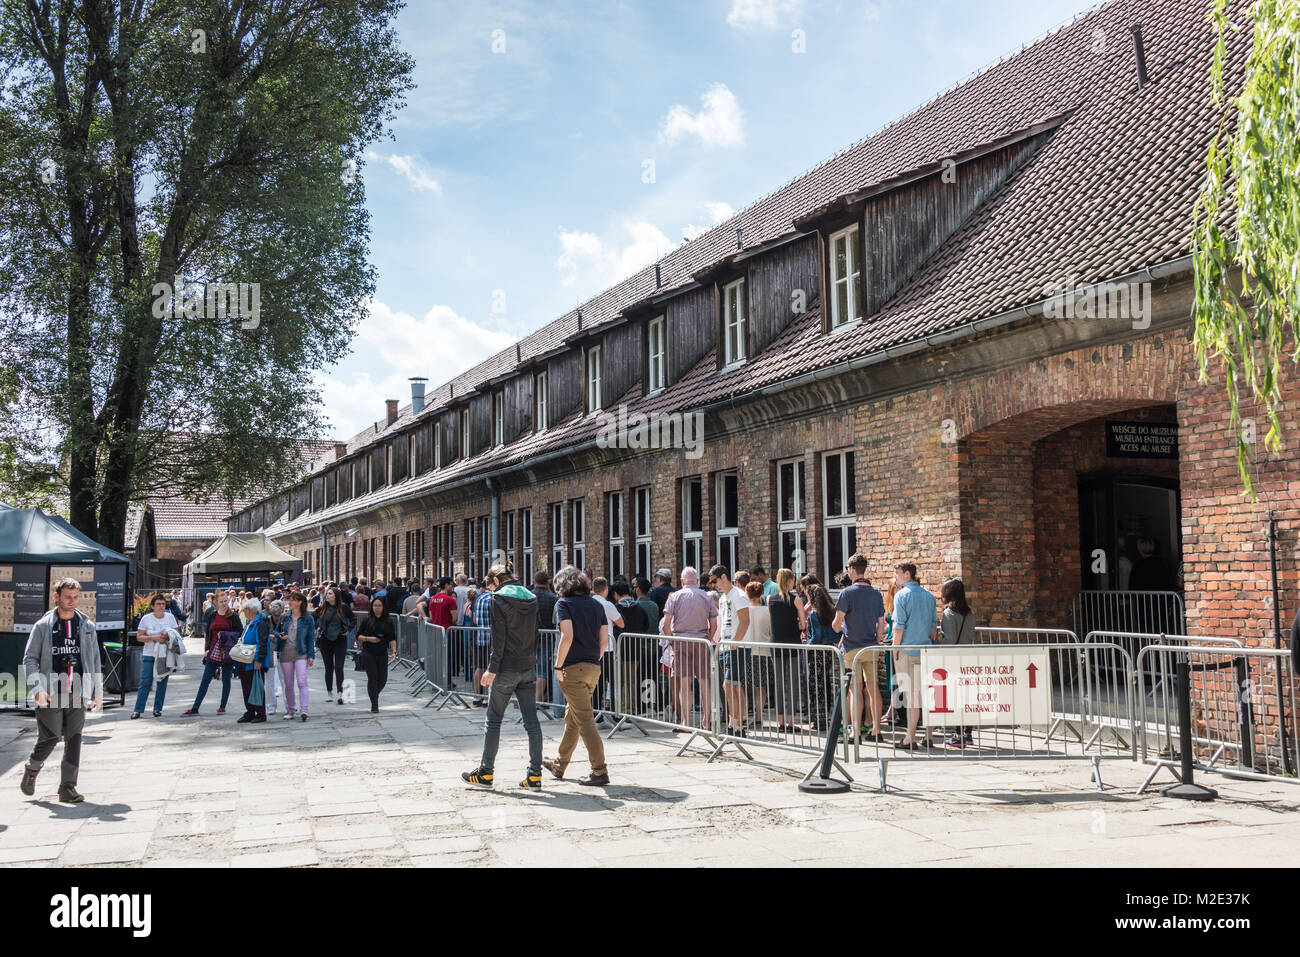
{"x":511,"y":670}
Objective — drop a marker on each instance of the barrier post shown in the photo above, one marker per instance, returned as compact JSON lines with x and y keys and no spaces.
{"x":824,"y":783}
{"x":1188,"y":790}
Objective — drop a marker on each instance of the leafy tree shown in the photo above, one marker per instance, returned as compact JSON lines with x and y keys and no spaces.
{"x":1247,"y":239}
{"x":214,"y":141}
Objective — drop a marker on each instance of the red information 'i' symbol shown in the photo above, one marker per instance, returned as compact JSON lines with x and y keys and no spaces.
{"x":940,"y":689}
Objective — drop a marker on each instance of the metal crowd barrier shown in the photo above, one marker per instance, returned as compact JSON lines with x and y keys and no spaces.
{"x":1133,"y":612}
{"x":763,"y":699}
{"x":469,"y":650}
{"x":968,"y":685}
{"x":666,"y":672}
{"x":1243,"y":708}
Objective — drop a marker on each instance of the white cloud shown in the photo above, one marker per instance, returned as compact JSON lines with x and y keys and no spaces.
{"x":716,"y":212}
{"x":876,"y":9}
{"x":391,"y":347}
{"x":411,"y":167}
{"x":719,"y":122}
{"x":598,"y":264}
{"x":763,"y":14}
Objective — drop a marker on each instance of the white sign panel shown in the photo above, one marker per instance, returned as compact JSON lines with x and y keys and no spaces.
{"x":1003,"y":688}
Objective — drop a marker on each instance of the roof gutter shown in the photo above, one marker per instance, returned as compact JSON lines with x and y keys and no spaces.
{"x":1173,"y":267}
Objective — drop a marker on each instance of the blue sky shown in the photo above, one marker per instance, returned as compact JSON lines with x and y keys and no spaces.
{"x":516,"y":184}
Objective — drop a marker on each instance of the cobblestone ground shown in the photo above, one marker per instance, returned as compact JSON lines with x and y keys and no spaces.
{"x":351,"y":788}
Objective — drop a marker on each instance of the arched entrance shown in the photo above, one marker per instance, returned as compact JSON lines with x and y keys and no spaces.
{"x":1076,"y":497}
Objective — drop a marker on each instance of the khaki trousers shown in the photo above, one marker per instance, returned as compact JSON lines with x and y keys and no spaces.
{"x":579,"y":682}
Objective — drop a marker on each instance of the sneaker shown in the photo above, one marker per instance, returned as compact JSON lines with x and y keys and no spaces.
{"x":549,"y":764}
{"x":478,"y":776}
{"x":968,"y":741}
{"x":956,"y":741}
{"x":288,"y":716}
{"x":192,"y":712}
{"x":136,"y":714}
{"x":260,"y":719}
{"x":532,"y":782}
{"x":68,"y":795}
{"x":340,"y":701}
{"x":28,"y":783}
{"x":594,"y":780}
{"x":303,"y":716}
{"x":244,"y":719}
{"x":219,"y":711}
{"x":157,"y":714}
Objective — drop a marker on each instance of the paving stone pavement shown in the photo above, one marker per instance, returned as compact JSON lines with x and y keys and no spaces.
{"x":349,"y":788}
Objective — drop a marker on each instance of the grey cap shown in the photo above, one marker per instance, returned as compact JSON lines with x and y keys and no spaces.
{"x":665,"y":573}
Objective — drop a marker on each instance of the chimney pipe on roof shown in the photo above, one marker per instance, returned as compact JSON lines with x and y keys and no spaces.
{"x":1139,"y":54}
{"x":340,"y":450}
{"x":417,"y":394}
{"x":392,"y":410}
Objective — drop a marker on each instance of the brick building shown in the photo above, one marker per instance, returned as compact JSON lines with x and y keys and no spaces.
{"x":899,"y":352}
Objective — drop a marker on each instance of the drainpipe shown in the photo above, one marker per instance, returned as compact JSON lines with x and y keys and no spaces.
{"x":324,"y":553}
{"x":495,"y":523}
{"x":1277,"y":631}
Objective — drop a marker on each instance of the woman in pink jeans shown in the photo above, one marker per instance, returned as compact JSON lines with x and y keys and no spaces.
{"x":297,"y":647}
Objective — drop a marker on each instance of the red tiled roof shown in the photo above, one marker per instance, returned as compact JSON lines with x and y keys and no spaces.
{"x":1111,"y":192}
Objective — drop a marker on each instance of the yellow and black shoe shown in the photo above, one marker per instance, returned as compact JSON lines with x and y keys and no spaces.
{"x":533,"y":782}
{"x":479,"y":777}
{"x":69,"y":795}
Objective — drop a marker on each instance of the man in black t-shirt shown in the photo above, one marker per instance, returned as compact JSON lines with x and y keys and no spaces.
{"x":62,"y":667}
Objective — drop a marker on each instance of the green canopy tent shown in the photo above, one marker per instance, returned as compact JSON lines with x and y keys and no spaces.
{"x":241,"y":559}
{"x":36,"y":550}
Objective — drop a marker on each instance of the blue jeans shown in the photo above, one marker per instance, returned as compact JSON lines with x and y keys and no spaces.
{"x":523,"y":685}
{"x":209,"y":670}
{"x":146,"y":684}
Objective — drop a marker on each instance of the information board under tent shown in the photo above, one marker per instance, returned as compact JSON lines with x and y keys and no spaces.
{"x":37,"y":551}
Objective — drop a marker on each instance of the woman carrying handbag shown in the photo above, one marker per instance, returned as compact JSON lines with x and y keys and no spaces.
{"x":257,"y":641}
{"x":334,"y":623}
{"x":221,"y":630}
{"x":957,"y":627}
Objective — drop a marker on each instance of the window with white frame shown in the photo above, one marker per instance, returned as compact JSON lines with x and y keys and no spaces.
{"x":508,"y":521}
{"x":410,"y":454}
{"x":656,"y":355}
{"x":437,"y":443}
{"x":464,"y":433}
{"x":526,"y":543}
{"x":540,"y":397}
{"x":471,"y":557}
{"x":728,"y":515}
{"x":593,"y":378}
{"x":840,"y":519}
{"x":388,"y":464}
{"x":578,"y":512}
{"x":498,"y":419}
{"x":485,"y":543}
{"x":557,"y":537}
{"x":641,"y":528}
{"x":791,"y":526}
{"x":733,"y":322}
{"x":692,"y":522}
{"x":846,"y":277}
{"x":616,"y":541}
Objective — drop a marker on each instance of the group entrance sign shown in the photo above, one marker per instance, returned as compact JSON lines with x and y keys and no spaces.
{"x":980,"y":690}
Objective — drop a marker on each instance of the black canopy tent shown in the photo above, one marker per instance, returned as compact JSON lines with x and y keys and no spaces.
{"x":36,"y":550}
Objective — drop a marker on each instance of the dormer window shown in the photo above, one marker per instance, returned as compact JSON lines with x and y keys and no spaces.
{"x":498,"y":419}
{"x":540,"y":386}
{"x":733,"y":322}
{"x":846,"y":277}
{"x":593,"y":379}
{"x":656,"y":355}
